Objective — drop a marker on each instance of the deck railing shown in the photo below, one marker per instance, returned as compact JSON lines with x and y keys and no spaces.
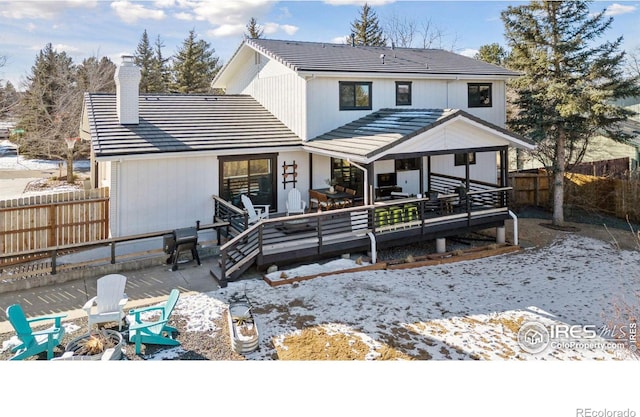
{"x":286,"y":239}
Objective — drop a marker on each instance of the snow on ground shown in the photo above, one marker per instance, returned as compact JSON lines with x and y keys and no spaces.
{"x":465,"y":310}
{"x":9,"y":159}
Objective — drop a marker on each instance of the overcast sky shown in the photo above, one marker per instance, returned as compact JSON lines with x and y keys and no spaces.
{"x":84,"y":28}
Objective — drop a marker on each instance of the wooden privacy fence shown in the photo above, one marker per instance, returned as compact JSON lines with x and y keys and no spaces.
{"x":616,"y":197}
{"x":531,"y":188}
{"x":33,"y":223}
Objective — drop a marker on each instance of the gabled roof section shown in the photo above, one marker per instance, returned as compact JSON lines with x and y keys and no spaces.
{"x":185,"y":123}
{"x":327,"y":57}
{"x":371,"y":137}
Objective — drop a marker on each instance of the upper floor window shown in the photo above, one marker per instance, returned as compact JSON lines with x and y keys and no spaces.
{"x":480,"y":95}
{"x":355,"y":95}
{"x":403,"y":93}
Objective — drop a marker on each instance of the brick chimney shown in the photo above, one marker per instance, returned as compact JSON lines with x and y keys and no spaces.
{"x":127,"y":78}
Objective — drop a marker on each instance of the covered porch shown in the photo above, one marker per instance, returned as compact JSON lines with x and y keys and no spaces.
{"x":417,"y":175}
{"x":402,"y":153}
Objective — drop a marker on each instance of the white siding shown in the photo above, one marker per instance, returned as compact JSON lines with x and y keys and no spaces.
{"x":169,"y":193}
{"x":459,"y":99}
{"x":321,"y":171}
{"x":324,"y":110}
{"x":302,"y":160}
{"x":164,"y":194}
{"x":279,"y":89}
{"x":485,"y":169}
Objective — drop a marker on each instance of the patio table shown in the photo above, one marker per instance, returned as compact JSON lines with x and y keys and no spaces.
{"x":336,"y":196}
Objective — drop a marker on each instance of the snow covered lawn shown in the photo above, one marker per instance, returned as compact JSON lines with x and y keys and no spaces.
{"x":464,"y":310}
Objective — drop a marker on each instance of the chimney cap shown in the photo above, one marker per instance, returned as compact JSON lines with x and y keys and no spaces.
{"x":127,"y":58}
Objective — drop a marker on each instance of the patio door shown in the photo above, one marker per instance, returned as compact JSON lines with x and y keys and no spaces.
{"x":253,"y":175}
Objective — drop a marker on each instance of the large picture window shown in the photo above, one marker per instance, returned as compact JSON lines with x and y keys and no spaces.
{"x":480,"y":95}
{"x":403,"y":93}
{"x":251,"y":175}
{"x":355,"y":95}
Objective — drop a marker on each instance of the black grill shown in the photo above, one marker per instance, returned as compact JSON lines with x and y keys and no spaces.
{"x":179,"y":241}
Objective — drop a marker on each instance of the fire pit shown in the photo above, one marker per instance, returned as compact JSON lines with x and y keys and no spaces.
{"x":93,"y":345}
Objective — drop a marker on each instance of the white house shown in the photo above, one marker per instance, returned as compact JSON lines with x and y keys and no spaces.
{"x":295,"y":114}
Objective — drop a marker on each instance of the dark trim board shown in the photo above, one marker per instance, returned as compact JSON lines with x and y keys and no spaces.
{"x":383,"y":241}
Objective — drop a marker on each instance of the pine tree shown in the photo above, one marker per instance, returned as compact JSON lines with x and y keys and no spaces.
{"x":365,"y":30}
{"x":143,"y":58}
{"x":44,"y":111}
{"x":159,"y":76}
{"x":254,"y":30}
{"x":570,"y":82}
{"x":194,"y":66}
{"x":492,"y":53}
{"x":9,"y":98}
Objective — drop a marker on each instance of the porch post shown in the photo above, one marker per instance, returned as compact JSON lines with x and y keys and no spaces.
{"x":421,"y":175}
{"x":504,"y":169}
{"x":310,"y":171}
{"x":467,"y":173}
{"x":429,"y":173}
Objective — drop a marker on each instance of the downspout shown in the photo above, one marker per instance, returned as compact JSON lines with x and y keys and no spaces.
{"x":372,"y":237}
{"x":515,"y":227}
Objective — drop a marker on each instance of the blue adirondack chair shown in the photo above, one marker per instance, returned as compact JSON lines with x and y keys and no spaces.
{"x":33,"y":343}
{"x":153,"y":332}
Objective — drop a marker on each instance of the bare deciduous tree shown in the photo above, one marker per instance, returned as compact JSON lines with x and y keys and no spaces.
{"x":406,"y":32}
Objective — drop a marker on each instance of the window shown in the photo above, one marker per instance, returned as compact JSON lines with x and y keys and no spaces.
{"x":407,"y":164}
{"x":403,"y":93}
{"x":251,"y":175}
{"x":347,"y":175}
{"x":461,"y":158}
{"x":355,"y":95}
{"x":479,"y":95}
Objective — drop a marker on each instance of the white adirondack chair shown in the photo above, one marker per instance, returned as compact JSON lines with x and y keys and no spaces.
{"x":108,"y":304}
{"x":295,"y":203}
{"x":255,"y":212}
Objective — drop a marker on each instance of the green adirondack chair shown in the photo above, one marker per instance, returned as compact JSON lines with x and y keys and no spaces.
{"x":153,"y":332}
{"x":33,"y":343}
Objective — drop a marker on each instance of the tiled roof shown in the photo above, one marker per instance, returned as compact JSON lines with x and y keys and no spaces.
{"x":315,"y":56}
{"x":381,"y":130}
{"x":183,"y":123}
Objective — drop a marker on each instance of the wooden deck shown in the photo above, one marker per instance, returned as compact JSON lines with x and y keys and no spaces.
{"x":283,"y":240}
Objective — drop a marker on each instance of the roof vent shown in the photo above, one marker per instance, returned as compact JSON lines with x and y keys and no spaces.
{"x":382,"y":58}
{"x":353,"y":39}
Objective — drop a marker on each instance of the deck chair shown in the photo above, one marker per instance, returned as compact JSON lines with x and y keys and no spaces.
{"x":256,"y":212}
{"x":295,"y":203}
{"x":108,"y":304}
{"x":156,"y":332}
{"x":33,"y":343}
